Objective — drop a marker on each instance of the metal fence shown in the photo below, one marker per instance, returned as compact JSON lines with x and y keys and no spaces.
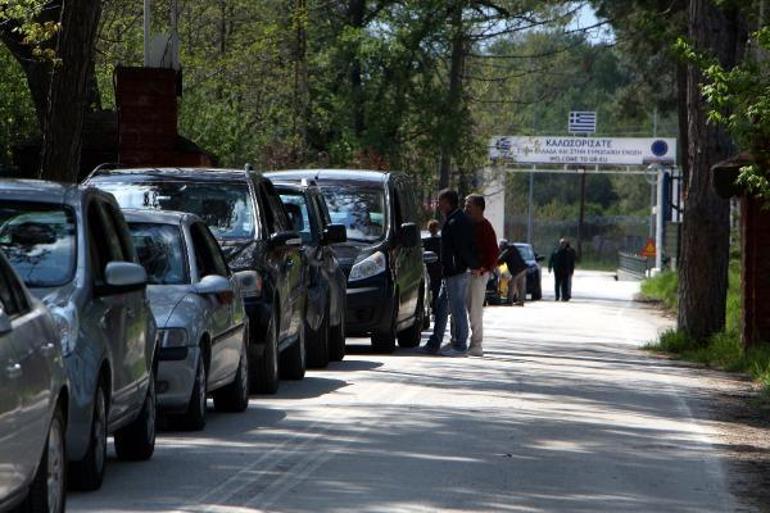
{"x":632,"y":267}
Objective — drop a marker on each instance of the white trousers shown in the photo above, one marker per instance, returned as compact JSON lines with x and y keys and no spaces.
{"x":477,"y":290}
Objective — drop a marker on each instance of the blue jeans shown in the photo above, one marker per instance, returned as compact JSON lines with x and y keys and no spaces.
{"x":452,"y":299}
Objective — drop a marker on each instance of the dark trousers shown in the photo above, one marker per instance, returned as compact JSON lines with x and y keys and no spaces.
{"x":563,"y":286}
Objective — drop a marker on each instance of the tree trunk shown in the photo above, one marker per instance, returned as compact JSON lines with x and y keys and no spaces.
{"x":356,"y":14}
{"x":706,"y":224}
{"x":69,"y":91}
{"x":451,"y":128}
{"x":300,"y":93}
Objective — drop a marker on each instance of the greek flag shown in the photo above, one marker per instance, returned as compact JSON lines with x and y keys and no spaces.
{"x":582,"y":122}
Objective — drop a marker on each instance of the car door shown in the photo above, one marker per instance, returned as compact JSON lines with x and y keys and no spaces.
{"x":290,"y":264}
{"x":105,"y":317}
{"x":139,"y":345}
{"x":28,"y":348}
{"x":335,"y":276}
{"x":407,"y":260}
{"x":209,"y":262}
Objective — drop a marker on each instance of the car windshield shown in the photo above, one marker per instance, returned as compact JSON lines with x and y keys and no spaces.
{"x":296,"y":207}
{"x":160,"y":250}
{"x":40,"y":242}
{"x":361,"y":210}
{"x":525,"y":252}
{"x":225,"y":207}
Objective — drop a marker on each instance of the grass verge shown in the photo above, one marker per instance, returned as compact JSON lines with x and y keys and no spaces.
{"x":723,"y":350}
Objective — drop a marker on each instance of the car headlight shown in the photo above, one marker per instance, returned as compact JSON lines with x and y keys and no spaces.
{"x":66,"y":322}
{"x":173,"y":337}
{"x":370,"y":266}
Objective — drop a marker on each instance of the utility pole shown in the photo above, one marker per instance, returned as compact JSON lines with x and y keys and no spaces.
{"x":530,"y":213}
{"x":146,"y":25}
{"x":582,"y":172}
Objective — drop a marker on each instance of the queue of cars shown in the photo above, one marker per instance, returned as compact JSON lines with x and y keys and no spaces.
{"x":146,"y":291}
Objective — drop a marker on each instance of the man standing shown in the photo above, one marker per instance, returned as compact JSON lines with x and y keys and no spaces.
{"x":509,"y":254}
{"x":562,"y":263}
{"x":555,"y":266}
{"x":457,"y":256}
{"x":486,"y":248}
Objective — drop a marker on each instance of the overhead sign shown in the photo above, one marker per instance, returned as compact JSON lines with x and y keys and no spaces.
{"x":619,"y":151}
{"x":582,"y":122}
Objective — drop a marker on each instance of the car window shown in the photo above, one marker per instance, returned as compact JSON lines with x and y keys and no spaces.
{"x":122,"y":233}
{"x":360,"y":208}
{"x":296,"y":206}
{"x":103,"y":241}
{"x":226,"y":207}
{"x":40,"y":242}
{"x":208,"y":257}
{"x":397,"y":206}
{"x":275,"y":205}
{"x":161,"y":252}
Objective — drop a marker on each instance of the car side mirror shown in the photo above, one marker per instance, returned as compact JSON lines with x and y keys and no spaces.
{"x":409,"y":235}
{"x":5,"y":323}
{"x":213,"y":284}
{"x":334,"y":234}
{"x":429,"y":257}
{"x":287,"y":238}
{"x":122,"y":277}
{"x":539,"y":258}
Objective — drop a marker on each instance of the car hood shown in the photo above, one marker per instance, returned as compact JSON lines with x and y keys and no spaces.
{"x":239,"y":254}
{"x":348,"y":252}
{"x":164,"y":299}
{"x":54,"y":296}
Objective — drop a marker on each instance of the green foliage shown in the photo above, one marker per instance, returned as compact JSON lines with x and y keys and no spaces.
{"x":662,"y":287}
{"x":23,"y":16}
{"x":17,"y":113}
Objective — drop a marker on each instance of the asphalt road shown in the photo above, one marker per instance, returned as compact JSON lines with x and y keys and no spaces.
{"x":564,"y":413}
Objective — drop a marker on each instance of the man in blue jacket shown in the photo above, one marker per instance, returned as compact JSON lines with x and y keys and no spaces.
{"x":458,"y":257}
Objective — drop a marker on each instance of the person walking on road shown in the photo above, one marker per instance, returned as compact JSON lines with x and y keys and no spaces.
{"x":458,"y":255}
{"x":433,"y":243}
{"x":486,"y":248}
{"x":510,"y":256}
{"x":562,"y":264}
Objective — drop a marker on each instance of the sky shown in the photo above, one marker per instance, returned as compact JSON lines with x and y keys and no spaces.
{"x":586,"y":18}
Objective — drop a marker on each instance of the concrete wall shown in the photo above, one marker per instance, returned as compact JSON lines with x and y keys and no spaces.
{"x":494,"y":195}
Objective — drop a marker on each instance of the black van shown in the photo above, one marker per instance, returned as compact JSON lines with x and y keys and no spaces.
{"x":382,"y":257}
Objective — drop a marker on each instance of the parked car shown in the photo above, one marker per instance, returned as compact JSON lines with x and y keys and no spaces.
{"x":247,"y":217}
{"x":382,"y":257}
{"x":197,"y":304}
{"x":72,"y":248}
{"x":534,"y":273}
{"x":33,"y":401}
{"x":325,"y":311}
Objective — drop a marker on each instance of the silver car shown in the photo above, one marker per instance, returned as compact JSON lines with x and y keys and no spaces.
{"x":197,"y":305}
{"x":72,"y":248}
{"x":33,"y":401}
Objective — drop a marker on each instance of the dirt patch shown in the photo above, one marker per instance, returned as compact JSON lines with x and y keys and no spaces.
{"x":740,"y":415}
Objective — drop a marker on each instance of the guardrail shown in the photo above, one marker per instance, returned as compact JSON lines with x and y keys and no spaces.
{"x":632,"y":267}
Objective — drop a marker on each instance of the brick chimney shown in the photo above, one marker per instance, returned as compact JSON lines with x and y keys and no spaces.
{"x":147,"y":120}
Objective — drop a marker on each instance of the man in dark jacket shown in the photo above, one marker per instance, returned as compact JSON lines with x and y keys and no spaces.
{"x":458,"y":256}
{"x":433,"y":243}
{"x":562,"y":263}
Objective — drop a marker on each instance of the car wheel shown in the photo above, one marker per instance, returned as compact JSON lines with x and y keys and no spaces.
{"x":537,"y":293}
{"x":337,"y":341}
{"x":318,"y":345}
{"x":136,"y":442}
{"x":385,"y":341}
{"x":234,"y":397}
{"x":264,"y":375}
{"x":46,"y":493}
{"x":88,"y":473}
{"x":411,"y":336}
{"x":194,"y":419}
{"x":293,"y":363}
